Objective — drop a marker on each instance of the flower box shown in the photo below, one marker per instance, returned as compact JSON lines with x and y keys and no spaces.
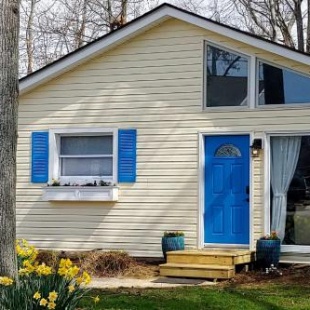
{"x":80,"y":193}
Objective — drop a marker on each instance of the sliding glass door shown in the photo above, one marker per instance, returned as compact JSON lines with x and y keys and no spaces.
{"x":290,"y":188}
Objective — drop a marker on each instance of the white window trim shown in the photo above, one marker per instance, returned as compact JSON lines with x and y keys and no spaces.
{"x":267,"y":226}
{"x":54,"y":165}
{"x":250,"y":103}
{"x":286,"y":106}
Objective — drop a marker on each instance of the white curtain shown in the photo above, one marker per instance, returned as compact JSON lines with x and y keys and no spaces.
{"x":284,"y":158}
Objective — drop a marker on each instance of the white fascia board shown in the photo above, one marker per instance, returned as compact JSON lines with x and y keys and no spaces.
{"x":94,"y":49}
{"x":238,"y":36}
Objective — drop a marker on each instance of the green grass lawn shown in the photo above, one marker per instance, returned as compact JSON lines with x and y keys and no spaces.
{"x":264,"y":297}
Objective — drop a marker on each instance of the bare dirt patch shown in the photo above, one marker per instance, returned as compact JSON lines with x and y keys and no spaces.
{"x":290,"y":274}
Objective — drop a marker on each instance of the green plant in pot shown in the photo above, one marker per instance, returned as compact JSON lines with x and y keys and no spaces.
{"x":268,"y":250}
{"x":172,"y":241}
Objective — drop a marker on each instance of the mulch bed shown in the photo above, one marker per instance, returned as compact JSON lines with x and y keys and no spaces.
{"x":291,"y":274}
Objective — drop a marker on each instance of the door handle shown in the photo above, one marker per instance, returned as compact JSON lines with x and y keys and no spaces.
{"x":247,"y":189}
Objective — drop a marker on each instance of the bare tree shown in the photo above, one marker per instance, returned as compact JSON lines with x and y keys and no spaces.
{"x":276,"y":20}
{"x":29,"y":36}
{"x":9,"y":30}
{"x":308,"y":27}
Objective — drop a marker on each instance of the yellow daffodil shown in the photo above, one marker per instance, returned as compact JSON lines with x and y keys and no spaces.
{"x":24,"y":250}
{"x":71,"y":288}
{"x":43,"y":270}
{"x":67,"y":269}
{"x":52,"y":296}
{"x":96,"y":299}
{"x":43,"y":302}
{"x":65,"y":263}
{"x":6,"y":281}
{"x":84,"y":279}
{"x":28,"y":267}
{"x":64,"y":266}
{"x":72,"y":272}
{"x":37,"y":295}
{"x":51,"y":305}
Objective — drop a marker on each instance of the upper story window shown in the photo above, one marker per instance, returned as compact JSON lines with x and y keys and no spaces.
{"x":281,"y":86}
{"x":226,"y":78}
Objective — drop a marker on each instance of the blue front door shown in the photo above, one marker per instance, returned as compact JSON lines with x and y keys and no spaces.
{"x":226,"y":216}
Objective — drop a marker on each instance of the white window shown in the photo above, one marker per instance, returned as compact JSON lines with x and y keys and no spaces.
{"x":281,"y":86}
{"x":80,"y":156}
{"x":227,"y":78}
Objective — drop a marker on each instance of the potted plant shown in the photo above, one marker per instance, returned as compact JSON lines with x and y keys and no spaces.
{"x":268,"y":250}
{"x":172,"y":241}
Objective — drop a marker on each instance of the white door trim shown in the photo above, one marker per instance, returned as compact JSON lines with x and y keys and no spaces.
{"x":201,"y":192}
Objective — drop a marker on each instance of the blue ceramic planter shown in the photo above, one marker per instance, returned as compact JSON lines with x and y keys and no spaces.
{"x":268,"y":252}
{"x":172,"y":244}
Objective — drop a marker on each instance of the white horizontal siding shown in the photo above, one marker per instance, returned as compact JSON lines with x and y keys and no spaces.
{"x":152,"y":83}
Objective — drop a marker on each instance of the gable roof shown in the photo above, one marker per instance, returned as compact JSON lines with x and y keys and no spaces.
{"x":141,"y":24}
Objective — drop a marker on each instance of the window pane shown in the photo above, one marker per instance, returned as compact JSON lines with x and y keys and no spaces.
{"x":280,"y":86}
{"x":227,"y":78}
{"x":86,"y":166}
{"x":227,"y":150}
{"x":86,"y":145}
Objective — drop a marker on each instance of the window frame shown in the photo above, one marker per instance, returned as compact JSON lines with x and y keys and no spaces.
{"x":276,"y":106}
{"x":54,"y":154}
{"x":205,"y":75}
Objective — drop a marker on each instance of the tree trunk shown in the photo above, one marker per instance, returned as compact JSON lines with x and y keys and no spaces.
{"x":9,"y":31}
{"x":299,"y":25}
{"x":124,"y":12}
{"x":29,"y":37}
{"x":308,"y":28}
{"x":80,"y":34}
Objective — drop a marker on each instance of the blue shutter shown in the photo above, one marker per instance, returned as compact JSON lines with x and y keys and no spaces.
{"x":127,"y":154}
{"x":39,"y":165}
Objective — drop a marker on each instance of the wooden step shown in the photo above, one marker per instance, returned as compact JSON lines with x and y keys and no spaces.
{"x":197,"y":271}
{"x":214,"y":257}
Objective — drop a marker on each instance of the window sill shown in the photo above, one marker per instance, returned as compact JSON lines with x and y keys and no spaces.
{"x":79,"y":193}
{"x":227,"y":109}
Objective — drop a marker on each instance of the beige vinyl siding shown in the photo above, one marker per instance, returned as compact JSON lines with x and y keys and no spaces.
{"x":152,"y":83}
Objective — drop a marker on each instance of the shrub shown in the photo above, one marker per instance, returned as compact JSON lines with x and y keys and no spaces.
{"x":41,"y":286}
{"x":273,"y":236}
{"x":173,"y":234}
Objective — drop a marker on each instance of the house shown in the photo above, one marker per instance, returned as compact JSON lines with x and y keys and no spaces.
{"x":194,"y":125}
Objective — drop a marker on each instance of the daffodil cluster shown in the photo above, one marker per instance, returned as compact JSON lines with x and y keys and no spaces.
{"x":45,"y":287}
{"x":70,"y":271}
{"x":49,"y":302}
{"x":6,"y":281}
{"x":26,"y":251}
{"x":67,"y":269}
